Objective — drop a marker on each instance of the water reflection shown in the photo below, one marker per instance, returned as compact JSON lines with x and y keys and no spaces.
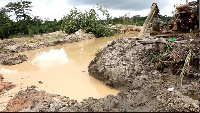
{"x":62,"y":69}
{"x":51,"y":58}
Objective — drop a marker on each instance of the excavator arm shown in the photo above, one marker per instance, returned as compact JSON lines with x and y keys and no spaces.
{"x":154,"y":12}
{"x":186,"y":18}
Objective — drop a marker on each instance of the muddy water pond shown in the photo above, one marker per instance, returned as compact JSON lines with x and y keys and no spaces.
{"x":61,"y":70}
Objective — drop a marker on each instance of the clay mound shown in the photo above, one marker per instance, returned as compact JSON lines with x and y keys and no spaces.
{"x":32,"y":100}
{"x":117,"y":63}
{"x":5,"y":85}
{"x":120,"y":65}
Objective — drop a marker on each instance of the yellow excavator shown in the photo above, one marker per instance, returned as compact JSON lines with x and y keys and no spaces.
{"x":185,"y":19}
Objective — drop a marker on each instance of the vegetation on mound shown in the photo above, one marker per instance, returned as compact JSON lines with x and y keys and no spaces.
{"x":89,"y":21}
{"x":180,"y":59}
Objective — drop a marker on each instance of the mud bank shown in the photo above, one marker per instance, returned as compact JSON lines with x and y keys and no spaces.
{"x":150,"y":99}
{"x":10,"y":49}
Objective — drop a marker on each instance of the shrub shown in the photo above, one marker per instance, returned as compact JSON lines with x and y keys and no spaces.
{"x":89,"y":21}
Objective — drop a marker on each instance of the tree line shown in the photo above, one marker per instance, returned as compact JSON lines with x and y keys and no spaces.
{"x":136,"y":20}
{"x":26,"y":24}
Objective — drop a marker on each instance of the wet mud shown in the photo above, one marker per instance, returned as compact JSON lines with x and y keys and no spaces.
{"x":120,"y":65}
{"x":5,"y":86}
{"x":66,"y":67}
{"x":143,"y":88}
{"x":9,"y":49}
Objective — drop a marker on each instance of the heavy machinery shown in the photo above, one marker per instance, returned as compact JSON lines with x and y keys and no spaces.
{"x":185,"y":19}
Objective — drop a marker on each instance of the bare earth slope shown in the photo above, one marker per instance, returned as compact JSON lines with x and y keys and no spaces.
{"x":120,"y":66}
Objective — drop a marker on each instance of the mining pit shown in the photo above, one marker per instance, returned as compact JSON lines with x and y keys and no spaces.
{"x":112,"y":74}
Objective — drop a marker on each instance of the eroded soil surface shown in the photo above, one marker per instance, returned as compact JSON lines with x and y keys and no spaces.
{"x":121,"y":65}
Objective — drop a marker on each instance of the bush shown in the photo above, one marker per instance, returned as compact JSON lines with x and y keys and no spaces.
{"x":89,"y":21}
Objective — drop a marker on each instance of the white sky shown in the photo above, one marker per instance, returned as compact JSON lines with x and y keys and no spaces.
{"x":56,"y":9}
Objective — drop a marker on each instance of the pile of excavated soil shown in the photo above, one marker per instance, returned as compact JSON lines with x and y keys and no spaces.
{"x":119,"y":65}
{"x":5,"y":86}
{"x":171,"y":55}
{"x":10,"y":48}
{"x":31,"y":99}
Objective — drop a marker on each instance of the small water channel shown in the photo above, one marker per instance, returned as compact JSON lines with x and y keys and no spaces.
{"x":61,"y":70}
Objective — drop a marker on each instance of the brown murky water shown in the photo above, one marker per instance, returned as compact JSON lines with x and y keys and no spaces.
{"x":61,"y":69}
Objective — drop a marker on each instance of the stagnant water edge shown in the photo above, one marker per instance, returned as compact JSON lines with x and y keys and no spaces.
{"x":43,"y":55}
{"x":61,"y":69}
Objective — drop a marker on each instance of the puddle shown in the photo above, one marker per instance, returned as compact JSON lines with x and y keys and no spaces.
{"x":61,"y":69}
{"x":195,"y":97}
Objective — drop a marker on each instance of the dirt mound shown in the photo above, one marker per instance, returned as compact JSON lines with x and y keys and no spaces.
{"x":173,"y":55}
{"x":32,"y":100}
{"x":5,"y":85}
{"x":119,"y":64}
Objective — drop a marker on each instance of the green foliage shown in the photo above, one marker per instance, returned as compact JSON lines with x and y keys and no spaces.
{"x":89,"y":21}
{"x":134,"y":20}
{"x":24,"y":24}
{"x":155,"y":56}
{"x":5,"y":24}
{"x":20,"y":8}
{"x":127,"y":20}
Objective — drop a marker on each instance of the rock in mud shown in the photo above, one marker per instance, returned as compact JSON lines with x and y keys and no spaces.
{"x":14,"y":60}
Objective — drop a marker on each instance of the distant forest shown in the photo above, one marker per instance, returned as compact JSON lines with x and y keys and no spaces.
{"x":27,"y":24}
{"x":135,"y":20}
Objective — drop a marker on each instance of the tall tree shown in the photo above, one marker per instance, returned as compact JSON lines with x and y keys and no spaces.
{"x":5,"y":24}
{"x":20,"y":8}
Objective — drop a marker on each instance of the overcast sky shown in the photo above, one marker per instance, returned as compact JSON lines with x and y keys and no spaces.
{"x":56,"y":9}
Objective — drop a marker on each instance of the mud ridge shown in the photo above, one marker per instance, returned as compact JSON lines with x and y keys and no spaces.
{"x":10,"y":49}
